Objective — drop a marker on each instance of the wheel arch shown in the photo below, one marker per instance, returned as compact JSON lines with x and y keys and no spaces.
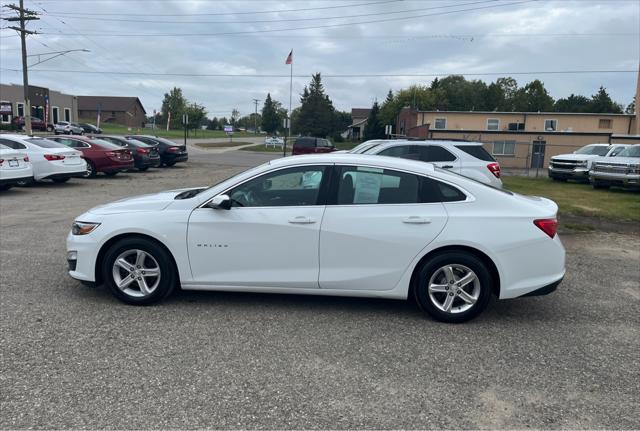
{"x":491,"y":266}
{"x":103,"y":250}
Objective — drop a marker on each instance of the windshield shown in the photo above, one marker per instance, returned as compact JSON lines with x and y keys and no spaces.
{"x":593,"y":150}
{"x":45,"y":143}
{"x":106,"y":144}
{"x":630,"y":152}
{"x":365,"y":146}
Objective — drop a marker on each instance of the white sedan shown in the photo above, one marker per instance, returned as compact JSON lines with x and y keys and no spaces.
{"x":50,"y":160}
{"x":371,"y":226}
{"x":15,"y":167}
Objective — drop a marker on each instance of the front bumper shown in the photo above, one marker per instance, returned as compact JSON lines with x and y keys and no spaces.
{"x":81,"y":257}
{"x":613,"y":179}
{"x":579,"y":173}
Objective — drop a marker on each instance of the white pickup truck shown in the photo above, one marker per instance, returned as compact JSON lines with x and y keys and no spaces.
{"x":576,"y":165}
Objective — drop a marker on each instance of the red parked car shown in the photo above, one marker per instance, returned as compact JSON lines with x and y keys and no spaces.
{"x":36,"y":124}
{"x":309,"y":145}
{"x":101,"y":156}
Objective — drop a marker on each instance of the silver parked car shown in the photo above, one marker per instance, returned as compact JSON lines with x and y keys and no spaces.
{"x":622,"y":170}
{"x":67,"y":128}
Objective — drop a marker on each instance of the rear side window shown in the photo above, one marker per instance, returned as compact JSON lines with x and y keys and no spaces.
{"x":305,"y":142}
{"x":13,"y":144}
{"x":476,"y":151}
{"x":436,"y":153}
{"x":323,"y":143}
{"x":402,"y":151}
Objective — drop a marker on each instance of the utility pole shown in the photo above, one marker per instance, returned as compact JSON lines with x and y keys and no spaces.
{"x":255,"y":117}
{"x":24,"y":15}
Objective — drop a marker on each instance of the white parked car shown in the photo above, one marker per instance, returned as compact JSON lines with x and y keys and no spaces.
{"x":469,"y":159}
{"x":623,"y":170}
{"x":399,"y":230}
{"x":67,"y":128}
{"x":576,"y":165}
{"x":273,"y":141}
{"x":50,"y":160}
{"x":15,"y":167}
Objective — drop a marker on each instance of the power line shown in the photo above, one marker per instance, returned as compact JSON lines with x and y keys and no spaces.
{"x":294,"y":28}
{"x":276,"y":20}
{"x":230,"y":13}
{"x":369,"y":75}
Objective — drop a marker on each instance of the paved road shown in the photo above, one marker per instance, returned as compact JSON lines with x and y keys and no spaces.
{"x":72,"y":356}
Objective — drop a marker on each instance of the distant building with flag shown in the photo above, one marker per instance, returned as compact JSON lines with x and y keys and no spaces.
{"x":48,"y":105}
{"x":126,"y":111}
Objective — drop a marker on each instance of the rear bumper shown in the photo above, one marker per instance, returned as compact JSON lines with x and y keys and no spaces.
{"x":145,"y":162}
{"x":15,"y":180}
{"x":113,"y":166}
{"x":175,"y":158}
{"x":544,"y":290}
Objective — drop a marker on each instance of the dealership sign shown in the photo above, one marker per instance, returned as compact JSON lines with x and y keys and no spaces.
{"x":6,"y":108}
{"x":228,"y":128}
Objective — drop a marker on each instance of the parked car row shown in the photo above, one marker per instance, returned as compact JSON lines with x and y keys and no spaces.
{"x":25,"y":159}
{"x":61,"y":127}
{"x":602,"y":165}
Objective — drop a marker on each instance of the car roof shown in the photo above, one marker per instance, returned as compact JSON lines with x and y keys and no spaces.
{"x":354,"y":159}
{"x":443,"y":143}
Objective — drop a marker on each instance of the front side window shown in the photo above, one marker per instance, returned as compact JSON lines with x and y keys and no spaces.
{"x":440,"y":123}
{"x":305,"y":142}
{"x":550,"y":125}
{"x":493,"y":124}
{"x":297,"y":186}
{"x":504,"y":148}
{"x":436,"y":153}
{"x":632,"y":151}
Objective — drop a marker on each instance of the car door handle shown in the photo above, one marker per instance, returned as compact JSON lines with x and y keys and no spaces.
{"x":416,"y":220}
{"x":447,"y":166}
{"x":301,"y":220}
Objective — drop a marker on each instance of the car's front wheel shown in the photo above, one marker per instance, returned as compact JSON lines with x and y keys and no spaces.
{"x":138,"y":271}
{"x":453,"y":287}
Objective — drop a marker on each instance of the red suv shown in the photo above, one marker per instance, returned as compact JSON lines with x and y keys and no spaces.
{"x":101,"y":156}
{"x":308,"y":145}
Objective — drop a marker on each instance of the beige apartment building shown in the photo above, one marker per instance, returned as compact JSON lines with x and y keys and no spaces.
{"x":522,"y":139}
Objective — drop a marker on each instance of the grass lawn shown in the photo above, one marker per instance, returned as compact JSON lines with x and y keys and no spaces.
{"x":580,"y":199}
{"x":115,"y":129}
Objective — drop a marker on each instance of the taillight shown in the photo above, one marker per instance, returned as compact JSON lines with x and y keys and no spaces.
{"x":142,"y":151}
{"x":547,"y":225}
{"x":26,"y":158}
{"x":53,"y":157}
{"x":1,"y":162}
{"x":494,"y":168}
{"x":173,"y":149}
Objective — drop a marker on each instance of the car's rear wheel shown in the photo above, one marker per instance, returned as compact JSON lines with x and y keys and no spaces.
{"x":5,"y":187}
{"x":91,"y":170}
{"x":453,"y":287}
{"x":138,"y":271}
{"x":60,"y":180}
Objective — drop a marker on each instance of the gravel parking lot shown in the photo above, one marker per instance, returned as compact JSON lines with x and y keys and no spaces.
{"x":73,"y":356}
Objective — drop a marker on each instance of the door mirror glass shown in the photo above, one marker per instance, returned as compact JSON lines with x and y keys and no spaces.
{"x":220,"y":202}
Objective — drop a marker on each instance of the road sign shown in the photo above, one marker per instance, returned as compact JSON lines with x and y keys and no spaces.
{"x":285,"y":123}
{"x":185,"y":119}
{"x":228,"y":128}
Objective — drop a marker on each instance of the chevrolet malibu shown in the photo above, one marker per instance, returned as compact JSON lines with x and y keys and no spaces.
{"x":366,"y":226}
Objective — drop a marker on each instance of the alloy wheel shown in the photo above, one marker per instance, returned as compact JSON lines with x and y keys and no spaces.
{"x":89,"y":172}
{"x":454,"y":288}
{"x":136,"y":273}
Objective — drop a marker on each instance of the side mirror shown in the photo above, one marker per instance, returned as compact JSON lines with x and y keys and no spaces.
{"x":220,"y":202}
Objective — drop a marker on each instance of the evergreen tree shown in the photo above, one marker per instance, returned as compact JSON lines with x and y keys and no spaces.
{"x":270,"y":116}
{"x":317,"y":114}
{"x":533,"y":98}
{"x":631,"y":107}
{"x":374,"y":128}
{"x":573,"y":103}
{"x":388,"y":110}
{"x":601,"y":102}
{"x":175,"y":103}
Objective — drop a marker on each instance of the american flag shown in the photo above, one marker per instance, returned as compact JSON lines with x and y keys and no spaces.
{"x":289,"y":58}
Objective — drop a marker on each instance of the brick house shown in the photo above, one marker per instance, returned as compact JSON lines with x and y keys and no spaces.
{"x":125,"y":111}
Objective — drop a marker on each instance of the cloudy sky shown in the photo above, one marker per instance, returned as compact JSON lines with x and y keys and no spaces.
{"x":143,"y":48}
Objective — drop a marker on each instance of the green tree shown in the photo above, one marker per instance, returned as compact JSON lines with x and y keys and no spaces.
{"x":235,"y":116}
{"x":213,"y":124}
{"x":316,"y":116}
{"x":374,"y":128}
{"x":197,"y":114}
{"x":270,"y":116}
{"x":533,"y":98}
{"x":601,"y":102}
{"x":573,"y":103}
{"x":631,"y":107}
{"x":342,"y":121}
{"x":175,"y":103}
{"x":388,"y":112}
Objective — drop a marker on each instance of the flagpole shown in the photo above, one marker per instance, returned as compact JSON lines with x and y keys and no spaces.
{"x":290,"y":94}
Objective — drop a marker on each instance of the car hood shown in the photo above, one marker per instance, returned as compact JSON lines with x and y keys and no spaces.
{"x":620,"y":160}
{"x":577,"y":157}
{"x":150,"y":202}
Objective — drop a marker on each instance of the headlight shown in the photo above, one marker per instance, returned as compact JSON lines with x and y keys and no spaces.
{"x":584,"y":164}
{"x":83,"y":228}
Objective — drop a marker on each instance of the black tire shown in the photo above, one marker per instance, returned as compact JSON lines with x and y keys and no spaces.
{"x":5,"y":187}
{"x":60,"y":180}
{"x":558,"y":179}
{"x":599,"y":185}
{"x":168,"y":275}
{"x":169,"y":164}
{"x":91,"y":170}
{"x":24,"y":183}
{"x":111,"y":174}
{"x":432,"y":268}
{"x":143,"y":168}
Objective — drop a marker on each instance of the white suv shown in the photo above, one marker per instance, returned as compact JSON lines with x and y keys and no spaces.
{"x":576,"y":165}
{"x":469,"y":159}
